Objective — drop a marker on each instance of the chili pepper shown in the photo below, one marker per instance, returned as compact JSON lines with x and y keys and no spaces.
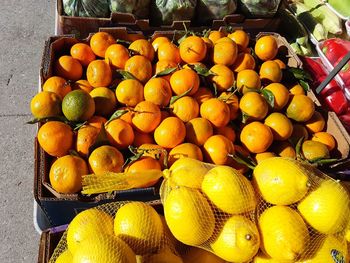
{"x":334,"y":49}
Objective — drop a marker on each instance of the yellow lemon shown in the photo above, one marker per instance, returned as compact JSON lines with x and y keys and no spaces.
{"x":140,"y":226}
{"x":280,"y":181}
{"x":65,"y":257}
{"x":238,"y":240}
{"x":327,"y":208}
{"x":198,"y":255}
{"x":188,"y":172}
{"x":284,"y":234}
{"x":88,"y":224}
{"x":104,"y":249}
{"x":229,"y":190}
{"x":189,"y":216}
{"x":165,"y":256}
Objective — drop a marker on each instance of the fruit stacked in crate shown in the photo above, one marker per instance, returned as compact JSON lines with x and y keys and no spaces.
{"x":117,"y":106}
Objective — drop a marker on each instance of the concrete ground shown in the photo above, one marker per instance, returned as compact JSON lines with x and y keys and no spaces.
{"x":24,"y":26}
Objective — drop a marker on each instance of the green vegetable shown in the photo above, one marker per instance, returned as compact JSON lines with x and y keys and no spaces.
{"x":259,"y":8}
{"x":324,"y":15}
{"x":86,"y":8}
{"x":341,"y":6}
{"x":139,"y":8}
{"x":208,"y":10}
{"x":167,"y":11}
{"x":305,"y":17}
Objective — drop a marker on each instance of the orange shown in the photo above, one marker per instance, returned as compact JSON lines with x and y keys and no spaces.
{"x":66,"y":174}
{"x":170,"y":132}
{"x":163,"y":65}
{"x":120,"y":133}
{"x":116,"y":56}
{"x":284,"y":149}
{"x":99,"y":43}
{"x":97,"y":121}
{"x":256,"y":137}
{"x":248,"y":79}
{"x":280,"y":126}
{"x":215,"y":111}
{"x":314,"y":150}
{"x":69,"y":68}
{"x":99,"y":74}
{"x":254,"y":105}
{"x":78,"y":106}
{"x":140,"y":67}
{"x":202,"y":95}
{"x":266,"y":48}
{"x":129,"y":92}
{"x":226,"y":131}
{"x":142,"y":138}
{"x":316,"y":123}
{"x":297,"y":90}
{"x":106,"y":159}
{"x":105,"y":101}
{"x":270,"y":71}
{"x":223,"y":78}
{"x":185,"y":108}
{"x":83,"y":84}
{"x":57,"y":85}
{"x":217,"y":148}
{"x":153,"y":150}
{"x":299,"y":131}
{"x":187,"y":150}
{"x":232,"y":102}
{"x":127,"y":117}
{"x":158,"y":91}
{"x":86,"y":137}
{"x":300,"y":108}
{"x":143,"y":47}
{"x":193,"y":49}
{"x":198,"y":130}
{"x":56,"y":138}
{"x":159,"y":41}
{"x":146,"y":117}
{"x":216,"y":35}
{"x":259,"y":157}
{"x":45,"y":104}
{"x":280,"y":63}
{"x":280,"y":94}
{"x":169,"y":52}
{"x":225,"y":52}
{"x":183,"y":80}
{"x":243,"y":61}
{"x":325,"y":138}
{"x":83,"y":53}
{"x":241,"y":38}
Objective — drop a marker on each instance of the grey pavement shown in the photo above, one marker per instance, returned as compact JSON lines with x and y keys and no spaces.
{"x":24,"y":26}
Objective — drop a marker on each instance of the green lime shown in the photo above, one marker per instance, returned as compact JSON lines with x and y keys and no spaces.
{"x":78,"y":106}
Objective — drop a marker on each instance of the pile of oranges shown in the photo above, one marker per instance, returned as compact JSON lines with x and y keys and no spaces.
{"x":207,"y":98}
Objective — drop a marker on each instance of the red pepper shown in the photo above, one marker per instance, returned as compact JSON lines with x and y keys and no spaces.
{"x":334,"y":49}
{"x":314,"y":68}
{"x":344,"y":73}
{"x":345,"y":119}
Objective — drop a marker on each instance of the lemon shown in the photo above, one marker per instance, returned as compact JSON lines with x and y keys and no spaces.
{"x":281,"y":181}
{"x":45,"y":104}
{"x":313,"y":150}
{"x":65,"y":257}
{"x":198,"y":255}
{"x":347,"y":233}
{"x":78,"y":105}
{"x":88,"y":224}
{"x":330,"y":249}
{"x":327,"y":208}
{"x":188,"y":172}
{"x":165,"y":256}
{"x":105,"y":101}
{"x":140,"y":226}
{"x":238,"y":240}
{"x":189,"y":216}
{"x":284,"y":234}
{"x":262,"y":258}
{"x":102,"y":249}
{"x":229,"y":190}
